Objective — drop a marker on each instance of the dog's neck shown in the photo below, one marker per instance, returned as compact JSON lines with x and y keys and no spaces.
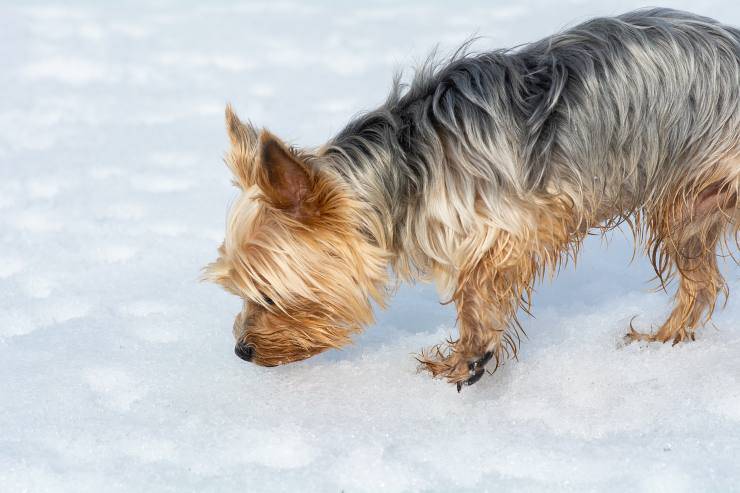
{"x":370,"y":155}
{"x":373,"y":155}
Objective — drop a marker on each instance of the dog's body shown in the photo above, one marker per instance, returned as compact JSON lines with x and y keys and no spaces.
{"x":485,"y":173}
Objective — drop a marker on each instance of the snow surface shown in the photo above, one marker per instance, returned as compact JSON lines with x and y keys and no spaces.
{"x":116,"y":365}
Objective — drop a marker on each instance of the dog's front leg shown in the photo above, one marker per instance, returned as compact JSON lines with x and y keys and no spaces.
{"x":486,"y":298}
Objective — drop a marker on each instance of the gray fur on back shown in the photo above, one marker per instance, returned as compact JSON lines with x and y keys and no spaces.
{"x":612,"y":113}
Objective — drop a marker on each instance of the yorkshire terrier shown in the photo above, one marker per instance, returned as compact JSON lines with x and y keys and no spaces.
{"x":483,"y":174}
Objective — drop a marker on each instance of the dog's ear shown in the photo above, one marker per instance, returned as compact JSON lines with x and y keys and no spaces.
{"x":240,"y":134}
{"x":282,"y":177}
{"x":244,"y":140}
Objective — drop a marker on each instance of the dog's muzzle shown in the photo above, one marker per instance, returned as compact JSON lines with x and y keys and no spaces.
{"x":244,"y":351}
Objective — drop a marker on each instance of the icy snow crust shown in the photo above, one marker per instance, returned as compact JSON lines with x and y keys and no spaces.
{"x":116,"y":365}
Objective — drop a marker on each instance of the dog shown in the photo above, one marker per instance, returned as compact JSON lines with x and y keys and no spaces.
{"x":483,"y":174}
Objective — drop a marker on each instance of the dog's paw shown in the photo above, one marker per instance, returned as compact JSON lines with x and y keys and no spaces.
{"x":475,"y":370}
{"x":634,"y":335}
{"x":455,"y":367}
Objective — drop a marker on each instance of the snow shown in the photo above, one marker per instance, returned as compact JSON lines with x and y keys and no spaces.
{"x":117,"y":370}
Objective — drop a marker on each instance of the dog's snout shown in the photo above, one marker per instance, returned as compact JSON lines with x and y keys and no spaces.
{"x":244,"y":351}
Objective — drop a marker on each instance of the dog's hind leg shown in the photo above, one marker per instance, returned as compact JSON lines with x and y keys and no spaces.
{"x":686,"y":247}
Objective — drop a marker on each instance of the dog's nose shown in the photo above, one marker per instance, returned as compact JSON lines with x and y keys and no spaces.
{"x":244,"y":351}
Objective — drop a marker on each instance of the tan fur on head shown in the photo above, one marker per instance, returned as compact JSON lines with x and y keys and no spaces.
{"x":294,"y":251}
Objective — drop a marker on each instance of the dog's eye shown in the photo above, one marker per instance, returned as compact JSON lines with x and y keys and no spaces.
{"x":267,"y":299}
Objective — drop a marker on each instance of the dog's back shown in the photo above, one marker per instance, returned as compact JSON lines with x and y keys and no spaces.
{"x":640,"y":101}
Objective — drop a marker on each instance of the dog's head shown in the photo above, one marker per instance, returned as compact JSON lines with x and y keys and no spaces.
{"x":294,"y":251}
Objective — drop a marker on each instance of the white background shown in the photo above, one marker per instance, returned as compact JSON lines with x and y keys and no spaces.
{"x":117,"y":370}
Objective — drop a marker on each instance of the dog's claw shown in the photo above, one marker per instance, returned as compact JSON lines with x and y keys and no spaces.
{"x":472,"y":379}
{"x":476,"y":369}
{"x":484,"y":360}
{"x":475,"y":377}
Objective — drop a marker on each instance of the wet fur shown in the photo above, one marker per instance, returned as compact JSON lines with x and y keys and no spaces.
{"x":483,"y":174}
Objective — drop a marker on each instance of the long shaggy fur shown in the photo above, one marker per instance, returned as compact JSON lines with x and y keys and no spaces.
{"x":487,"y":171}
